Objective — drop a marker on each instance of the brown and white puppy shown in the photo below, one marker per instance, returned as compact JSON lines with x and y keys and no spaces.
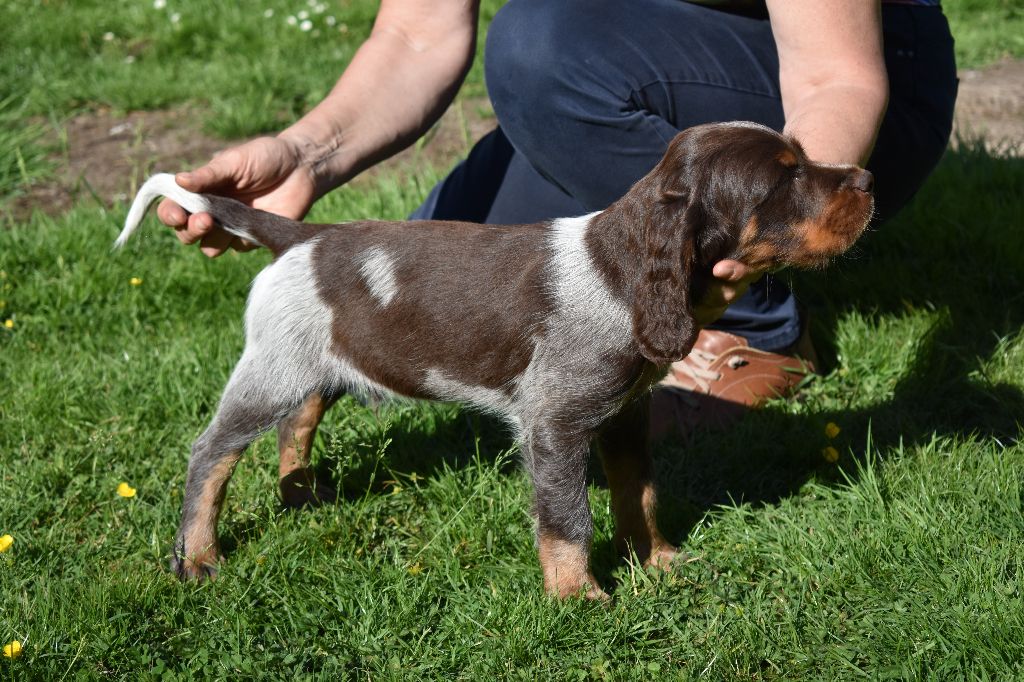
{"x":561,"y":328}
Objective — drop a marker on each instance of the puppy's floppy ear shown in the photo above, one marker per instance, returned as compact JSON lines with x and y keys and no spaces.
{"x":663,"y":321}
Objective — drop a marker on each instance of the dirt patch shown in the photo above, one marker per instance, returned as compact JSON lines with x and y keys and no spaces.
{"x":991,"y":105}
{"x":105,"y":155}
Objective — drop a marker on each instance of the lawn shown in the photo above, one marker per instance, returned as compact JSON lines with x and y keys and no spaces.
{"x":901,"y":558}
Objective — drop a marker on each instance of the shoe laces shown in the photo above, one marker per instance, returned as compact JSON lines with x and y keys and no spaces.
{"x":697,"y":367}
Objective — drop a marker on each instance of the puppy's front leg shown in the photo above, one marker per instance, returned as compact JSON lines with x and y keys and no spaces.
{"x":625,"y":455}
{"x":557,"y":458}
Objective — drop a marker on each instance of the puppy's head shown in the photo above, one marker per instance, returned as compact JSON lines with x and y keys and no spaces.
{"x":738,"y":191}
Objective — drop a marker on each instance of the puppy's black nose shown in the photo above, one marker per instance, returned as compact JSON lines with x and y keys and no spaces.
{"x":863,"y":180}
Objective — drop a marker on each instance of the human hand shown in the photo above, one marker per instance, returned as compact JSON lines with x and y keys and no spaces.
{"x":731,"y":279}
{"x":267,"y":173}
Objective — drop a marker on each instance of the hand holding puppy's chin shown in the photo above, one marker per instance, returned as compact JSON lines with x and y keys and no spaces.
{"x":731,"y":280}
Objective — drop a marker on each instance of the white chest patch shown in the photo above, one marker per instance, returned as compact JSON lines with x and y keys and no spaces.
{"x":377,"y":267}
{"x":584,"y":299}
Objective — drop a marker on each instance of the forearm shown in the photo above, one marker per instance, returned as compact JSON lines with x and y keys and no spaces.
{"x":838,"y":123}
{"x":394,"y":89}
{"x":832,"y":75}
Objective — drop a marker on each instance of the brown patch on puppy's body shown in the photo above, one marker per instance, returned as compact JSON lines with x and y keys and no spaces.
{"x":397,"y":344}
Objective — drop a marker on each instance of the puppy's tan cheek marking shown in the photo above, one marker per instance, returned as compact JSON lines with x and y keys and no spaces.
{"x":565,"y":566}
{"x":754,"y":253}
{"x":834,"y":229}
{"x":200,"y":537}
{"x":749,"y":233}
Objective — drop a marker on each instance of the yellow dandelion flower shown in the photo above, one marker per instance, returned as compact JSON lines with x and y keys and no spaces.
{"x":830,"y":454}
{"x":135,"y":281}
{"x":125,"y":490}
{"x":5,"y":543}
{"x":832,"y":429}
{"x":9,"y":324}
{"x":415,"y":569}
{"x":12,"y":650}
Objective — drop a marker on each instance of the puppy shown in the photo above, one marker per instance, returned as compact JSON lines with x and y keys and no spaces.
{"x":560,"y":328}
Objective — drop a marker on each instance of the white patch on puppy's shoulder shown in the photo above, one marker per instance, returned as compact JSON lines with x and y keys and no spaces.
{"x":377,"y":267}
{"x":582,"y":293}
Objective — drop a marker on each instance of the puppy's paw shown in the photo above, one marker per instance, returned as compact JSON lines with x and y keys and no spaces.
{"x":195,"y":567}
{"x":300,"y":489}
{"x":585,"y":587}
{"x":663,"y":557}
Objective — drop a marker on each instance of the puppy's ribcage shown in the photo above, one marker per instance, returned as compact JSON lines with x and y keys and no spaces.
{"x":515,"y":321}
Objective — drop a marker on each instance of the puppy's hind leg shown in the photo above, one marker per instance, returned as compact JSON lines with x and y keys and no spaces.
{"x":250,"y":406}
{"x":295,"y":434}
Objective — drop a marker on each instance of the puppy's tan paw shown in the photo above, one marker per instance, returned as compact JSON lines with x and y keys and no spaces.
{"x":300,"y":489}
{"x":663,"y":558}
{"x":195,"y":567}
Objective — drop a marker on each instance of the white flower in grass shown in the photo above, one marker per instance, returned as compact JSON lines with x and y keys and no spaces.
{"x":330,"y":21}
{"x":320,"y":9}
{"x":159,"y":4}
{"x":130,"y":59}
{"x":291,"y":21}
{"x":303,"y":14}
{"x":175,"y":18}
{"x":108,"y":36}
{"x":311,"y":3}
{"x":268,"y":13}
{"x":306,"y":25}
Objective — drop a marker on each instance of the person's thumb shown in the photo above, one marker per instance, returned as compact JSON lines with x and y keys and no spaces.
{"x":214,"y":175}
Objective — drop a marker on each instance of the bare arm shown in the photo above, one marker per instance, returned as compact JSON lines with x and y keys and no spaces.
{"x":832,"y":75}
{"x":834,"y":93}
{"x":399,"y":82}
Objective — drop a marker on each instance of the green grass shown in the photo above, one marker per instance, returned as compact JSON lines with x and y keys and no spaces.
{"x":251,"y":73}
{"x":986,"y":30}
{"x":901,"y":560}
{"x":22,"y":154}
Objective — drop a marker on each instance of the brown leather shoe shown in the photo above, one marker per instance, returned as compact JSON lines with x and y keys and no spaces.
{"x":722,"y":377}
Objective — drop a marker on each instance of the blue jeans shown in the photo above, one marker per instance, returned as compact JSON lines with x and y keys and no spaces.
{"x":588,"y":94}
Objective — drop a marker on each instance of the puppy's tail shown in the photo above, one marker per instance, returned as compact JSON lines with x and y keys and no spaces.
{"x":266,"y":229}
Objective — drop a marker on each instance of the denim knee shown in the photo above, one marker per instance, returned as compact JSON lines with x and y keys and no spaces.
{"x":530,"y":65}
